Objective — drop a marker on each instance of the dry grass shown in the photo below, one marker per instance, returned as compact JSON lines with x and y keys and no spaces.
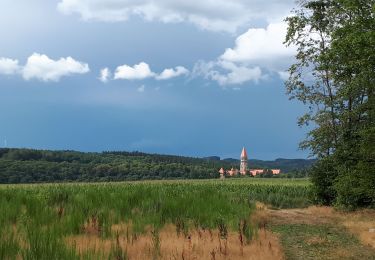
{"x":360,"y":223}
{"x":198,"y":244}
{"x":361,"y":229}
{"x":311,"y":216}
{"x":205,"y":244}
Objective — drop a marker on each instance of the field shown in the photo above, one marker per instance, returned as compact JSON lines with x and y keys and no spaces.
{"x":207,"y":219}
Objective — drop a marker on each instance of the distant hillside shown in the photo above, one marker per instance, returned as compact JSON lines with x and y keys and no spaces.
{"x":30,"y":166}
{"x":286,"y":165}
{"x":212,"y":158}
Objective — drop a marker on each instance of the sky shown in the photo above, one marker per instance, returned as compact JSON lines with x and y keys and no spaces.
{"x":192,"y":78}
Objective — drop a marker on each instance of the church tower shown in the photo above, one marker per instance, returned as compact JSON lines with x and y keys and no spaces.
{"x":243,"y":166}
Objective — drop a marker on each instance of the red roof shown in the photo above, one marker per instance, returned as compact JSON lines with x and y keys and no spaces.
{"x":243,"y":153}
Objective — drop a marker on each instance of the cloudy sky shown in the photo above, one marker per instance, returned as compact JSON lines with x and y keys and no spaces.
{"x":194,"y":78}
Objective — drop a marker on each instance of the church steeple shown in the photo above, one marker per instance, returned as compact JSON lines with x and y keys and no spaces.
{"x":243,"y":165}
{"x":244,"y":153}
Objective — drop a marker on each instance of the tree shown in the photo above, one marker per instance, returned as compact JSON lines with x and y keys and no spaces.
{"x":334,"y":75}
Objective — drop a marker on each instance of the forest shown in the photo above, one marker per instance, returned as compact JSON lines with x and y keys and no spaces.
{"x":35,"y":166}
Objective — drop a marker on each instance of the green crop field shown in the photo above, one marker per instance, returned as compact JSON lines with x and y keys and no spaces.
{"x":36,"y":219}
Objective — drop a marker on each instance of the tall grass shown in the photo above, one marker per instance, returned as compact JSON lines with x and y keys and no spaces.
{"x":35,"y":219}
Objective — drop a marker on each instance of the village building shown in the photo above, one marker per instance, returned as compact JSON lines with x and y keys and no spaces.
{"x":232,"y":172}
{"x":255,"y":172}
{"x":244,"y":168}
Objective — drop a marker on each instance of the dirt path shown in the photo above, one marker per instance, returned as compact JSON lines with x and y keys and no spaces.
{"x":360,"y":223}
{"x":321,"y":232}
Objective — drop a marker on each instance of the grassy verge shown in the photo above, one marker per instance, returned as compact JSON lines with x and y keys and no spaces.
{"x":328,"y":241}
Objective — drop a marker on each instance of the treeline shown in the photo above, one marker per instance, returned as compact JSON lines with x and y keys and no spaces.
{"x":297,"y":167}
{"x":34,"y":166}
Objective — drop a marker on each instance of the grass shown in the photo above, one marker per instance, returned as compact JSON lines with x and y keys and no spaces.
{"x":327,"y":241}
{"x":36,"y":219}
{"x":322,"y":232}
{"x":205,"y":219}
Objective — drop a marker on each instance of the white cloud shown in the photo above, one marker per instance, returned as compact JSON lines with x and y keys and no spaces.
{"x":215,"y":15}
{"x":262,"y":46}
{"x":238,"y":74}
{"x":43,"y":68}
{"x":172,"y":73}
{"x":227,"y":73}
{"x":105,"y":74}
{"x":256,"y":52}
{"x":138,"y":71}
{"x":8,"y":66}
{"x":141,"y":88}
{"x":143,"y":71}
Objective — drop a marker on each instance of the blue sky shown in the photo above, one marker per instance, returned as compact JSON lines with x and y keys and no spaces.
{"x":171,"y":77}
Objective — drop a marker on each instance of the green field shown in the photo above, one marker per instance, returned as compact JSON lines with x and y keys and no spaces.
{"x":176,"y":219}
{"x":35,"y":219}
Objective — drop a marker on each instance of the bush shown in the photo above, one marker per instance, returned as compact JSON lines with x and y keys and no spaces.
{"x":355,"y":189}
{"x":323,"y":175}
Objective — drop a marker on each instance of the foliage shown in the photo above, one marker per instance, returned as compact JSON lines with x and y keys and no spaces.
{"x":28,"y":166}
{"x":34,"y":166}
{"x":285,"y":165}
{"x":334,"y":75}
{"x":323,"y":175}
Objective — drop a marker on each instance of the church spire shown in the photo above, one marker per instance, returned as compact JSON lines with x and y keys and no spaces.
{"x":244,"y":153}
{"x":243,"y":165}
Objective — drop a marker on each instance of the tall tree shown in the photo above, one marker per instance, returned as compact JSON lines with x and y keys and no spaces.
{"x":334,"y":75}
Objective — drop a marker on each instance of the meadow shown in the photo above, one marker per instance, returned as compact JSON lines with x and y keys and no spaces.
{"x":52,"y":221}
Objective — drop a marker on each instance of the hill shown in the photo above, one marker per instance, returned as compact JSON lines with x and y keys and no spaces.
{"x":32,"y":166}
{"x":286,"y":165}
